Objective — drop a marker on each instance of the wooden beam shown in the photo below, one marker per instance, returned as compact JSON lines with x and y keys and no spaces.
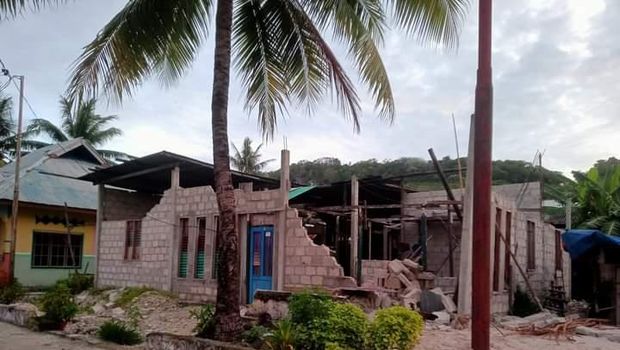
{"x":444,"y":181}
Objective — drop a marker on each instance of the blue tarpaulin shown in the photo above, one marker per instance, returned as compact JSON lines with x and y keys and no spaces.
{"x":579,"y":242}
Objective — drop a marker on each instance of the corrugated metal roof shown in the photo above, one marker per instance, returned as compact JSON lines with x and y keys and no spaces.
{"x":50,"y":175}
{"x":297,"y":191}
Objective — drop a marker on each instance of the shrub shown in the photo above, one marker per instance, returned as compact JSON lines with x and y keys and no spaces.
{"x":395,"y":328}
{"x":344,"y":326}
{"x":58,"y":306}
{"x":523,"y":305}
{"x":283,"y":336}
{"x":255,"y":335}
{"x":11,"y":292}
{"x":78,"y":282}
{"x":307,"y":306}
{"x":206,"y":322}
{"x":119,"y":333}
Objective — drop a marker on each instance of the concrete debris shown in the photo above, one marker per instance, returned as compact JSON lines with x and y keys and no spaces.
{"x":430,"y":302}
{"x":413,"y":266}
{"x":443,"y":317}
{"x":448,"y":303}
{"x":610,"y":333}
{"x":393,"y":282}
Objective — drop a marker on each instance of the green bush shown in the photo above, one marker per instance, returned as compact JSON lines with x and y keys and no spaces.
{"x":78,"y":282}
{"x":129,"y":294}
{"x":255,"y":335}
{"x":395,"y":328}
{"x":58,"y":306}
{"x":11,"y":292}
{"x":283,"y":336}
{"x":119,"y":333}
{"x":206,"y":322}
{"x":344,"y":326}
{"x":523,"y":305}
{"x":309,"y":305}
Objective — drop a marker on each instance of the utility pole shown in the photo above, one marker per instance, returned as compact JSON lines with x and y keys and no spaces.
{"x":483,"y":123}
{"x":18,"y":156}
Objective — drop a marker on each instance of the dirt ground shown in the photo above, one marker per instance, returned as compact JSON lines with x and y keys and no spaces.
{"x":451,"y":339}
{"x":17,"y":338}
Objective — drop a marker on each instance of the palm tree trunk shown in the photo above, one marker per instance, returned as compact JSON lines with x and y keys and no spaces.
{"x":228,"y":321}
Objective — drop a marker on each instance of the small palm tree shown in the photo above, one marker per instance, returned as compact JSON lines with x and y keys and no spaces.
{"x":248,"y":160}
{"x":598,"y":199}
{"x":8,"y":141}
{"x":80,"y":121}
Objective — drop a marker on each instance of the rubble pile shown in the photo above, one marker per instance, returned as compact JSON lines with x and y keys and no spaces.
{"x":414,"y":288}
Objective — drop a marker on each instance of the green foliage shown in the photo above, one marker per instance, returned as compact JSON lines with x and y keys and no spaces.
{"x":78,"y":282}
{"x":523,"y":305}
{"x":255,"y":335}
{"x":206,"y":321}
{"x":119,"y":333}
{"x":344,"y":326}
{"x":395,"y":328}
{"x":309,"y":305}
{"x":130,"y":294}
{"x":58,"y":306}
{"x":598,"y":197}
{"x":11,"y":292}
{"x":283,"y":336}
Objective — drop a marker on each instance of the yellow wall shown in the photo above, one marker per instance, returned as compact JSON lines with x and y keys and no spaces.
{"x":26,"y":226}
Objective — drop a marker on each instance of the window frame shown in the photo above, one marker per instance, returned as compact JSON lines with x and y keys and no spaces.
{"x":183,"y":242}
{"x":131,"y":251}
{"x":497,"y":249}
{"x":67,"y":254}
{"x":531,"y":245}
{"x":201,"y":230}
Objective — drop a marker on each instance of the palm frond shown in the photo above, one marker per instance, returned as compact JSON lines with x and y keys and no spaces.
{"x":359,"y":25}
{"x":258,"y":61}
{"x":13,"y":8}
{"x":146,"y":37}
{"x":438,"y":21}
{"x":99,"y":137}
{"x":38,"y":126}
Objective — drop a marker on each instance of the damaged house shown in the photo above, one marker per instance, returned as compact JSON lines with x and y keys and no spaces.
{"x":157,"y":218}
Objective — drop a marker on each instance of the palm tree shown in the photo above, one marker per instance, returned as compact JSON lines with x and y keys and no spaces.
{"x":7,"y":134}
{"x":81,"y":121}
{"x":248,"y":160}
{"x":281,"y":56}
{"x":598,"y":199}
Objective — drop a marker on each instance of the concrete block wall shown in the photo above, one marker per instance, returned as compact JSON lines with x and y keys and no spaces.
{"x":126,"y":205}
{"x":307,"y":264}
{"x":374,"y":272}
{"x":153,"y":268}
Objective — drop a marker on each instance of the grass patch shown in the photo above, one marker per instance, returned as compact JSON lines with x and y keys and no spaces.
{"x":129,"y":294}
{"x":119,"y":333}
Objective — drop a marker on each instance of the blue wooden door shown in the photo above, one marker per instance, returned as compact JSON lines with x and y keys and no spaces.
{"x":260,"y":259}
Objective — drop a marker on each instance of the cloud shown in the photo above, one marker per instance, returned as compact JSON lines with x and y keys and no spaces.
{"x":555,"y":85}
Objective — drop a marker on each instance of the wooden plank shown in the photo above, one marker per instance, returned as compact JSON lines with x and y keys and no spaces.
{"x":444,"y":181}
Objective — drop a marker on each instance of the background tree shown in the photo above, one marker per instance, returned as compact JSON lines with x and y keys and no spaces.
{"x":8,"y":140}
{"x":248,"y":160}
{"x":80,"y":120}
{"x":598,"y":197}
{"x":281,"y":57}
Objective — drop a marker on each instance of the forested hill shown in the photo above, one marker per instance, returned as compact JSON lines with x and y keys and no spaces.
{"x":326,"y":170}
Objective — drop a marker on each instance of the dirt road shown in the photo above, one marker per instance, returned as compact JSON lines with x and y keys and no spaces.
{"x":16,"y":338}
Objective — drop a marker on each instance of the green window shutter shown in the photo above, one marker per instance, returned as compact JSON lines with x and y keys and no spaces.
{"x":183,"y":265}
{"x":199,"y":270}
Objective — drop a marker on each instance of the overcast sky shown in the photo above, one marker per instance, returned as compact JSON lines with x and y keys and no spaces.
{"x":556,"y":78}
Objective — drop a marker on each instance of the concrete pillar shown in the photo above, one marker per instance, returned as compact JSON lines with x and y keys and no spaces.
{"x":175,"y":177}
{"x":354,"y":224}
{"x":285,"y":186}
{"x":465,"y":265}
{"x":98,"y":222}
